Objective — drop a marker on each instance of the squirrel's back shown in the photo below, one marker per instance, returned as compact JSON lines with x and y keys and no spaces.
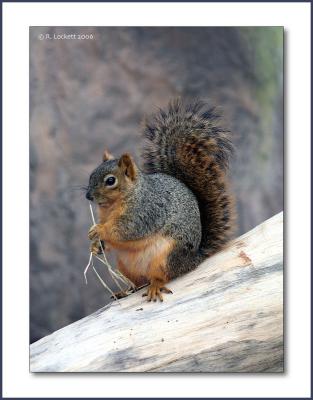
{"x":188,"y":142}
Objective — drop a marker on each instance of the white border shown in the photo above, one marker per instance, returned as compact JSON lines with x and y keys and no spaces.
{"x":18,"y":382}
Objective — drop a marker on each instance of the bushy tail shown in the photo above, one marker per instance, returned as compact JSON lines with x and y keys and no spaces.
{"x":188,"y":142}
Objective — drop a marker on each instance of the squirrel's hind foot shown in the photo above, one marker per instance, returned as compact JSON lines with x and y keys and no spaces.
{"x":120,"y":295}
{"x":155,"y":291}
{"x":124,"y":293}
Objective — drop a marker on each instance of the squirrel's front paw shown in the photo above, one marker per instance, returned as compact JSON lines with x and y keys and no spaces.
{"x":96,"y":246}
{"x":94,"y":232}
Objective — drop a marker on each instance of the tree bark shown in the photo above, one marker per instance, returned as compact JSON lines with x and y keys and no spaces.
{"x":226,"y":316}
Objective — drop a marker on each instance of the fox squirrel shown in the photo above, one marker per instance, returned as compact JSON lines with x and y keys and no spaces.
{"x":166,"y":219}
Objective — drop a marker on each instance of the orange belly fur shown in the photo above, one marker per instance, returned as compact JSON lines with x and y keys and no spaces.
{"x":142,"y":260}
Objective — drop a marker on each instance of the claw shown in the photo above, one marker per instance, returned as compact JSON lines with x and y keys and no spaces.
{"x":158,"y":293}
{"x":164,"y":289}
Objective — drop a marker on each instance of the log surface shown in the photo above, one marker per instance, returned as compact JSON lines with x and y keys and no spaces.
{"x":226,"y":316}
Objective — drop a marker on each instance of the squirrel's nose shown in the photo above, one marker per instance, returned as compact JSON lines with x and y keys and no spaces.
{"x":89,"y":196}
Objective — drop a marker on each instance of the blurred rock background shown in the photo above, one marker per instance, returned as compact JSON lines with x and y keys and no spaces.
{"x":87,"y":94}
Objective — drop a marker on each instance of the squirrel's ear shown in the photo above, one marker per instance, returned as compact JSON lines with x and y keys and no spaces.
{"x":107,"y":156}
{"x":128,"y":166}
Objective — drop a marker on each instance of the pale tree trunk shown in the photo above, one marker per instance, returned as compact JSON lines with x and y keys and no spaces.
{"x":226,"y":316}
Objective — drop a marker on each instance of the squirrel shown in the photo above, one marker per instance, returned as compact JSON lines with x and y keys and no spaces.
{"x":163,"y":220}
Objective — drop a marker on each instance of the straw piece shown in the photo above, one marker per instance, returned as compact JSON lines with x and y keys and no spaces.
{"x":112,"y":272}
{"x":87,"y":267}
{"x":104,"y":284}
{"x":115,"y":275}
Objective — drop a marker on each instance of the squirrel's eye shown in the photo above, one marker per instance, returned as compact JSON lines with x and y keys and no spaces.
{"x":110,"y":181}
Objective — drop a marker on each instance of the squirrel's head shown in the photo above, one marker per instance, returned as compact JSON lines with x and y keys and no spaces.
{"x":111,"y":179}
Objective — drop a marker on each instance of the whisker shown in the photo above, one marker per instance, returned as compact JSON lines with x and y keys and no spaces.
{"x":78,"y":187}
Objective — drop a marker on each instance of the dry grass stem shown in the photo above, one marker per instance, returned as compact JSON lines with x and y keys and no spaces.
{"x":103,"y":283}
{"x":115,"y":275}
{"x":87,"y":267}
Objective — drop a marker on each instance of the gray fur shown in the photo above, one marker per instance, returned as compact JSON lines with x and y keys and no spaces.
{"x":97,"y":176}
{"x":156,"y":205}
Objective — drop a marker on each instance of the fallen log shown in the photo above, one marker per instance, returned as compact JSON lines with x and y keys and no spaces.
{"x":226,"y":316}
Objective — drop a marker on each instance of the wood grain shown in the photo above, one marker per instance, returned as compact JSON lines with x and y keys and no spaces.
{"x":226,"y":316}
